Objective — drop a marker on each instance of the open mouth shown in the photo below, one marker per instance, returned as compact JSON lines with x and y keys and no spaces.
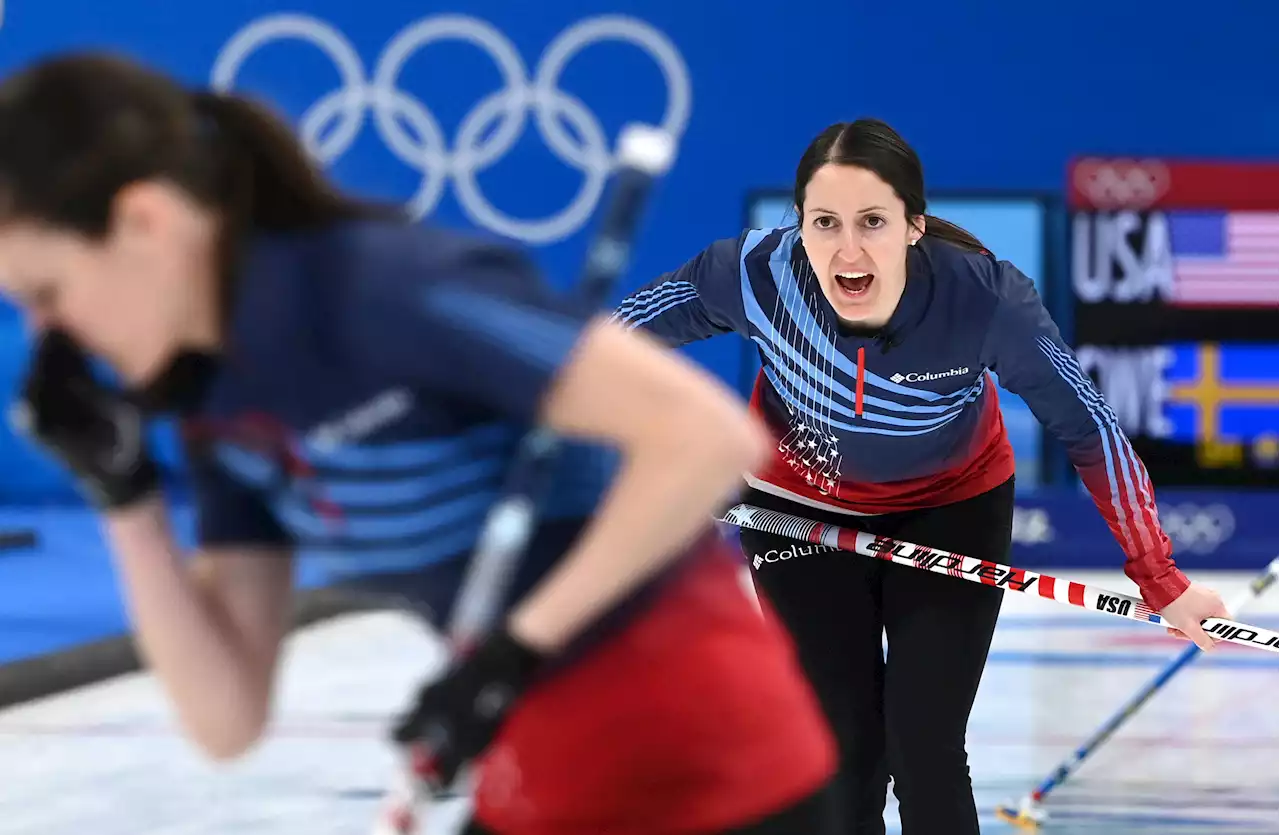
{"x":855,"y":285}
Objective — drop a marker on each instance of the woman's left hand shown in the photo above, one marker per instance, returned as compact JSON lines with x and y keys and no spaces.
{"x":456,"y":717}
{"x":1184,"y":615}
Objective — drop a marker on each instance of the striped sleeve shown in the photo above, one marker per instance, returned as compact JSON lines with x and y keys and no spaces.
{"x":473,"y":325}
{"x":699,"y":300}
{"x":229,"y":513}
{"x":1026,"y":351}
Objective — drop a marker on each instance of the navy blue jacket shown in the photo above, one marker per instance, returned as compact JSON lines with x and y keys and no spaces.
{"x":907,"y":417}
{"x":376,"y":379}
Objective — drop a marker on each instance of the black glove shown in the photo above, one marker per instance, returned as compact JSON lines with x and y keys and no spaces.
{"x":456,"y":717}
{"x":95,"y":431}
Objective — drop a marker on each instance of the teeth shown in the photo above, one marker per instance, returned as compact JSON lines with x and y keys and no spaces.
{"x":852,"y":275}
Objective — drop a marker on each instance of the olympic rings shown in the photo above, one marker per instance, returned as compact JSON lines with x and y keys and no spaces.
{"x":412,"y":133}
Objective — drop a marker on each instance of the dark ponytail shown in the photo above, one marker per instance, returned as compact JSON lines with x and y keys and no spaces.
{"x":271,"y":181}
{"x":945,"y":230}
{"x":873,"y":145}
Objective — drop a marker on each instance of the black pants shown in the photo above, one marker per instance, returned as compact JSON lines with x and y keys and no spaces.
{"x":903,"y":716}
{"x":815,"y":815}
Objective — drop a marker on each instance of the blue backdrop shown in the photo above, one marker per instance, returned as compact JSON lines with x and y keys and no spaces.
{"x":503,"y":116}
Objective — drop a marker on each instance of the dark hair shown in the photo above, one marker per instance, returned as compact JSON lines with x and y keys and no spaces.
{"x":76,"y":129}
{"x":873,"y":145}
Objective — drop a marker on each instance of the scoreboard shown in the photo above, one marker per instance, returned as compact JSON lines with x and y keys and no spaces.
{"x":1174,"y":286}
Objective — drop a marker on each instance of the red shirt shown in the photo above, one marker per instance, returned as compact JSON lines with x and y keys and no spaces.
{"x":986,"y":461}
{"x":695,"y":717}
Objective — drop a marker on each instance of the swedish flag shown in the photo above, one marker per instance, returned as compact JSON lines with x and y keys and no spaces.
{"x":1223,"y":392}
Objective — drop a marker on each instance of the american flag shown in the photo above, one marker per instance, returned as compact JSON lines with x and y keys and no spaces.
{"x":1225,"y":259}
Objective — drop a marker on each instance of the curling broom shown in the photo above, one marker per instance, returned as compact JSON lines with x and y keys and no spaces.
{"x":985,"y":572}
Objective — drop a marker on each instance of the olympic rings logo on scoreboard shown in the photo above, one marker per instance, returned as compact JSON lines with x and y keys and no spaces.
{"x":1121,"y":184}
{"x":331,"y":124}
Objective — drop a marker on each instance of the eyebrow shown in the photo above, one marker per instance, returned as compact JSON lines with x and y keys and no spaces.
{"x":860,"y":211}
